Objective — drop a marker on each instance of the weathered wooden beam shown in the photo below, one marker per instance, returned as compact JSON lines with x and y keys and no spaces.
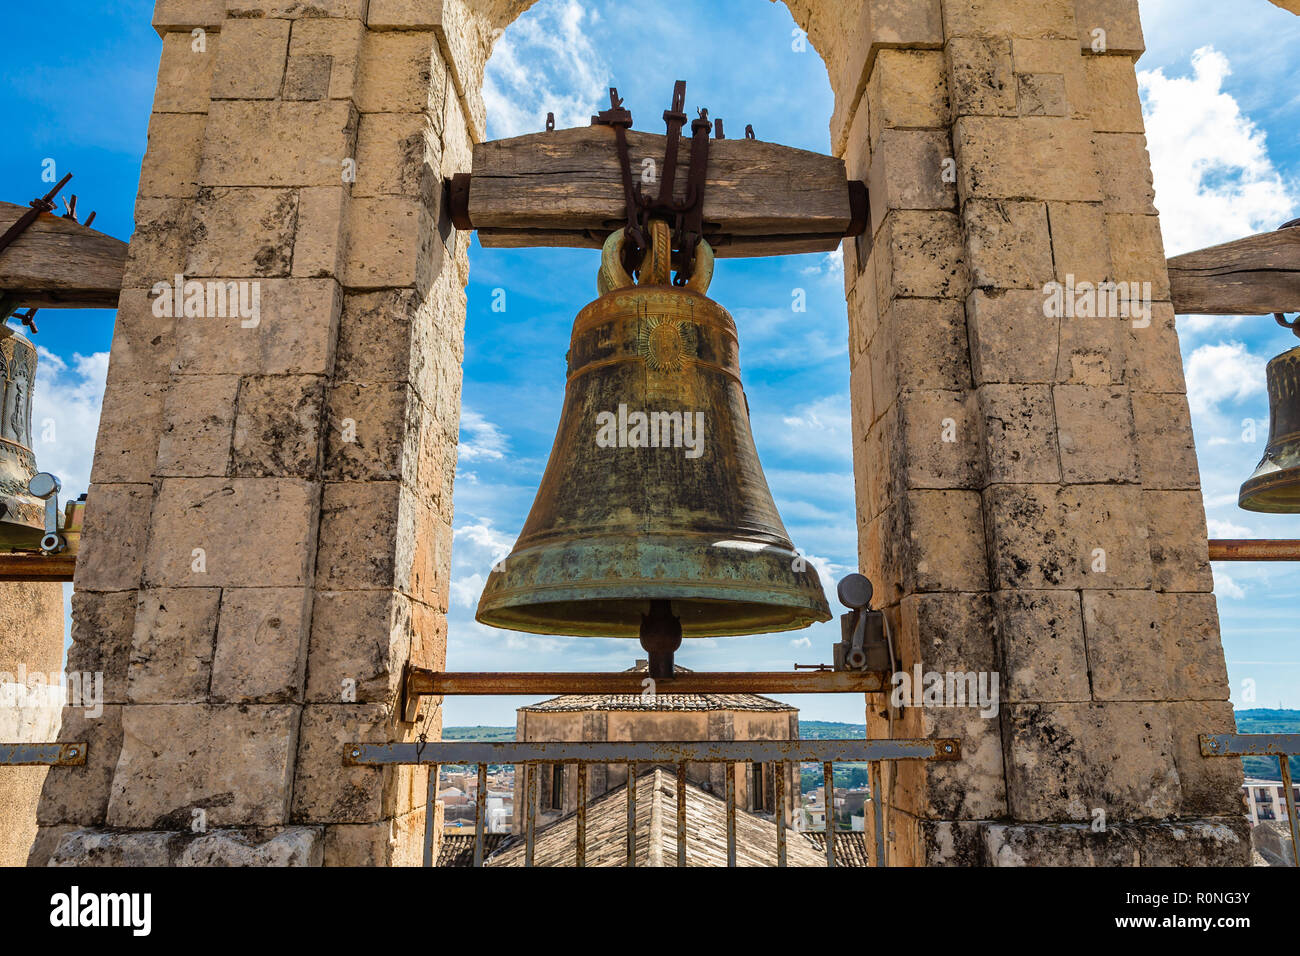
{"x":1252,"y":276}
{"x":59,"y":264}
{"x":565,"y":188}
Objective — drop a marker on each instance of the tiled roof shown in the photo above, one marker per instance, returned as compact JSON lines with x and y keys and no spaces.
{"x":850,"y":847}
{"x":458,"y":849}
{"x":656,"y":832}
{"x":668,"y":702}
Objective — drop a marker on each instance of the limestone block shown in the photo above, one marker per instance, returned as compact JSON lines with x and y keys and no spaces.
{"x":129,"y":426}
{"x":971,"y":788}
{"x":184,"y":73}
{"x":1059,"y":844}
{"x":171,"y":650}
{"x":1112,"y":84}
{"x":338,"y":40}
{"x":1041,"y":646}
{"x":307,"y":77}
{"x":360,"y":641}
{"x":99,"y":848}
{"x":1055,"y":158}
{"x":360,"y":535}
{"x":399,"y":154}
{"x":170,"y":168}
{"x":296,"y":10}
{"x":171,"y":15}
{"x":404,"y":14}
{"x":1211,"y":785}
{"x":1060,"y":58}
{"x":919,"y":254}
{"x":294,"y":335}
{"x":1079,"y":245}
{"x":252,"y":532}
{"x":79,"y":795}
{"x":1011,"y":340}
{"x":103,"y":623}
{"x":1078,"y":536}
{"x":250,"y":60}
{"x":1119,"y":21}
{"x":1093,"y":351}
{"x":944,"y":549}
{"x":1137,"y":253}
{"x":1066,"y":760}
{"x":1126,"y":183}
{"x":1095,"y":432}
{"x":1048,"y":18}
{"x":198,"y":417}
{"x":325,"y":791}
{"x":243,"y":232}
{"x":929,"y":342}
{"x":907,"y":88}
{"x":1126,"y":645}
{"x":1166,"y":448}
{"x":907,"y":172}
{"x":278,"y":426}
{"x":280,"y":846}
{"x":940,"y":447}
{"x":233,"y":762}
{"x":457,"y":157}
{"x":884,"y":483}
{"x":981,"y":76}
{"x":1180,"y":551}
{"x":142,"y":342}
{"x":395,"y":842}
{"x":43,"y":845}
{"x":401,"y":73}
{"x":1155,"y":363}
{"x":160,"y":244}
{"x":1190,"y":623}
{"x":261,"y":645}
{"x":319,"y":241}
{"x":391,"y":242}
{"x":1008,"y":244}
{"x":1018,"y":433}
{"x":113,"y":537}
{"x":376,"y":336}
{"x":312,"y":140}
{"x":1041,"y":94}
{"x":374,"y":432}
{"x":1223,"y":841}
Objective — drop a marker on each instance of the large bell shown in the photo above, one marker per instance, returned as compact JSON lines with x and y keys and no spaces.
{"x":22,"y":515}
{"x":653,"y":517}
{"x":1275,"y":485}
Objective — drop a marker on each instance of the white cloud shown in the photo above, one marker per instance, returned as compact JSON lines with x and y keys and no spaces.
{"x":1213,"y":176}
{"x":1225,"y":586}
{"x":1226,"y":529}
{"x":1224,"y":371}
{"x":65,"y":415}
{"x":480,"y":439}
{"x":545,"y":62}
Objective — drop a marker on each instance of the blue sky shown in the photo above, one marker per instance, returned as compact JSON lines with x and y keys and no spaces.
{"x":1224,"y":131}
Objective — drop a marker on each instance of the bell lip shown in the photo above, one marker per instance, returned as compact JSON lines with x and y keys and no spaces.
{"x":1256,"y":489}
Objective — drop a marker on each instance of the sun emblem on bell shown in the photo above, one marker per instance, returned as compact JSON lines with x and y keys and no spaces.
{"x":665,"y":343}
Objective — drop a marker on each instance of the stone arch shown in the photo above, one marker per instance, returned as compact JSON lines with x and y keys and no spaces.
{"x":326,"y":548}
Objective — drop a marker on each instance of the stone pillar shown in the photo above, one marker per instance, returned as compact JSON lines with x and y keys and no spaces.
{"x":1028,"y":500}
{"x":269,"y":523}
{"x":31,"y":657}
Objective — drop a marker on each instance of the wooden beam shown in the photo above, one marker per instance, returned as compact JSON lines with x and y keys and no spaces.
{"x":59,"y":264}
{"x":1252,"y":276}
{"x":30,"y":566}
{"x":565,"y":188}
{"x":1254,"y":549}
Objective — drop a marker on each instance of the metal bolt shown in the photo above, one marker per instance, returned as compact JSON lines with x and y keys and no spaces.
{"x":356,"y":753}
{"x":72,"y":751}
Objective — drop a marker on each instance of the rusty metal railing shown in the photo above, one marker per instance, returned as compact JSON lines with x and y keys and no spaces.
{"x":1281,"y":746}
{"x":531,"y":754}
{"x":43,"y":755}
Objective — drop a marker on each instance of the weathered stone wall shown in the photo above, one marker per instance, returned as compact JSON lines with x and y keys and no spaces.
{"x":31,"y":654}
{"x":271,"y":532}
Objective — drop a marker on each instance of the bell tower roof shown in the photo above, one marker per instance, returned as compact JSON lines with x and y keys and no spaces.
{"x":658,"y":702}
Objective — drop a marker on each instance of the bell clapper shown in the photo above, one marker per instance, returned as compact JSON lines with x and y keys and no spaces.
{"x":661,"y":634}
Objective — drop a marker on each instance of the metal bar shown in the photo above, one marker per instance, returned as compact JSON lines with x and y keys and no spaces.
{"x":828,"y":801}
{"x":430,"y":814}
{"x":35,"y":566}
{"x":781,"y":769}
{"x":531,"y":773}
{"x":582,"y":814}
{"x":480,"y":813}
{"x":421,"y":681}
{"x":681,"y":814}
{"x":631,"y":815}
{"x":1284,"y":764}
{"x":731,"y":814}
{"x":1254,"y":549}
{"x":876,"y":775}
{"x":43,"y":755}
{"x":646,"y":751}
{"x":1249,"y":745}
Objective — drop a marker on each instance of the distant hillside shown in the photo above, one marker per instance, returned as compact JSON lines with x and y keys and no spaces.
{"x":478,"y":733}
{"x":1265,"y":721}
{"x":830,"y":730}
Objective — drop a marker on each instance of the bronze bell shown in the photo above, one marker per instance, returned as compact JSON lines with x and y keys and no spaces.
{"x":653,"y":518}
{"x":1275,"y":485}
{"x":22,"y":521}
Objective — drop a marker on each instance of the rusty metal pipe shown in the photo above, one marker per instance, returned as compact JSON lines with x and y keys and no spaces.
{"x":423,"y":682}
{"x":1255,"y":549}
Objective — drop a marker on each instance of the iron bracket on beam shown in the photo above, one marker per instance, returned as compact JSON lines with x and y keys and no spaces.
{"x":43,"y":755}
{"x":1249,"y":745}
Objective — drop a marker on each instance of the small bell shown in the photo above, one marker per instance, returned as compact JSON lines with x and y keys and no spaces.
{"x":653,"y":518}
{"x":22,"y":521}
{"x":1275,"y":485}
